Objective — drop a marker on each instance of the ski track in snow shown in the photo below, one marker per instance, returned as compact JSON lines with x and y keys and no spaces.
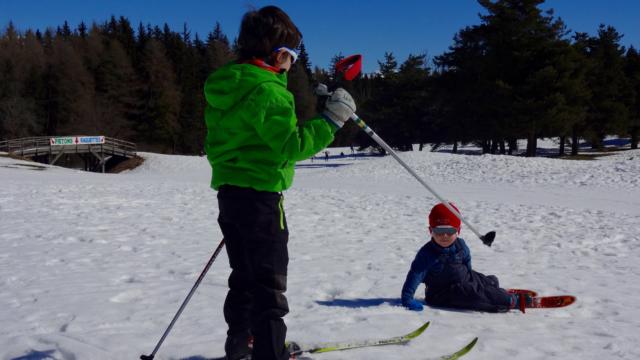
{"x":95,"y":266}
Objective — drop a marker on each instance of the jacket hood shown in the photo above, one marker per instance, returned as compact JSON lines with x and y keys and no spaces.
{"x":225,"y":87}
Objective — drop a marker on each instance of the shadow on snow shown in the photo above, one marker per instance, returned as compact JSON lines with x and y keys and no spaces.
{"x":318,"y":166}
{"x":358,"y":303}
{"x":37,"y":355}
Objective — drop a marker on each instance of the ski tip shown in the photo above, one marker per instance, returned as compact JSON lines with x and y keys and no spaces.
{"x":424,"y":326}
{"x":473,"y":343}
{"x":417,"y":331}
{"x":554,"y":301}
{"x":468,"y":347}
{"x":460,"y":353}
{"x":569,"y":299}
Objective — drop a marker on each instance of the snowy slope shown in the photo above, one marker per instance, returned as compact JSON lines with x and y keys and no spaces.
{"x":94,"y":266}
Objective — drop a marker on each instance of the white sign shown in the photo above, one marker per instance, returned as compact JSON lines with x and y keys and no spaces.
{"x":77,"y":140}
{"x":83,"y":140}
{"x":67,"y":140}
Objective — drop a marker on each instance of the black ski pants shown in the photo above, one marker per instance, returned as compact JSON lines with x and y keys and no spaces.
{"x":255,"y":232}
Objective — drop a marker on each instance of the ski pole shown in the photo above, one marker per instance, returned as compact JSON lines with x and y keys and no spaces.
{"x":184,"y":303}
{"x":487,"y":239}
{"x":347,"y":69}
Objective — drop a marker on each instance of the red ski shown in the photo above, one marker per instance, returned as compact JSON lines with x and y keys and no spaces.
{"x":552,"y":301}
{"x":540,"y":302}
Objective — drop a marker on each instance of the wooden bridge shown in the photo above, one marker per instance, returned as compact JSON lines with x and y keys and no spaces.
{"x":90,"y":153}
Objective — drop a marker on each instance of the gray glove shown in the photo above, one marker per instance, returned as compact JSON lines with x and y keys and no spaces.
{"x":339,"y":107}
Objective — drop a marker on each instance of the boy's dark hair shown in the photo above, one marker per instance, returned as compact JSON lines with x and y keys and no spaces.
{"x":263,"y":31}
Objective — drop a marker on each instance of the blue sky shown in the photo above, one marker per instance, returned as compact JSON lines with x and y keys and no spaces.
{"x":329,"y":27}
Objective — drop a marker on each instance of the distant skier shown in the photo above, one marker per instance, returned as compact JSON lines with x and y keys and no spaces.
{"x":252,"y":144}
{"x":444,"y":265}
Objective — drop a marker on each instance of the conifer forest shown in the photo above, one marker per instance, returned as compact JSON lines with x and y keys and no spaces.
{"x":518,"y":73}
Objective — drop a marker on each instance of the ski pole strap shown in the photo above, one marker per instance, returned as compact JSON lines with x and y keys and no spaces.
{"x":350,"y":67}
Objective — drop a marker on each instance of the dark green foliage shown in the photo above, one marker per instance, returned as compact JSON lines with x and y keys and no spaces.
{"x":303,"y":60}
{"x":518,"y":74}
{"x":511,"y":76}
{"x":109,"y":80}
{"x":21,"y":84}
{"x":632,"y":71}
{"x":399,"y":101}
{"x":607,"y":110}
{"x":299,"y":84}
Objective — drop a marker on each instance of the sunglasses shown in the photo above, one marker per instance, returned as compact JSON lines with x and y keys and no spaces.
{"x":294,"y":55}
{"x":449,"y":230}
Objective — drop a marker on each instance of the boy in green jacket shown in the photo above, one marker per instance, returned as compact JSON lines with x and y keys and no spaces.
{"x":252,"y":144}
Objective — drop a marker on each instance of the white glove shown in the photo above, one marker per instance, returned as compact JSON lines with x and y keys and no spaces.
{"x":339,"y":107}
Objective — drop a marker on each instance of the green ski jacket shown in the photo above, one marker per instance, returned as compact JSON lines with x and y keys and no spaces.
{"x":253,"y":139}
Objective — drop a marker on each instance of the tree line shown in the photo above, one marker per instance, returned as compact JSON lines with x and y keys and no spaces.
{"x":518,"y":74}
{"x":107,"y":79}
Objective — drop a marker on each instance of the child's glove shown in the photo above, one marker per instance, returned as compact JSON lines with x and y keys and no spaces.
{"x":413,"y":305}
{"x":339,"y":107}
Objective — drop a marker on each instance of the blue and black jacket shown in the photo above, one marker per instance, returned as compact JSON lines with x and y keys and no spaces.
{"x":451,"y":282}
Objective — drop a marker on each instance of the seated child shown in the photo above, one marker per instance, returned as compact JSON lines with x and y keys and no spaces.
{"x":444,"y":266}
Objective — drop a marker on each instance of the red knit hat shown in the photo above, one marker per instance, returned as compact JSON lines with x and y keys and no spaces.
{"x":441,"y":216}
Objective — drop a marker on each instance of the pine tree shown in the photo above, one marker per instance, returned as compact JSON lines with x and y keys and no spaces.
{"x":21,"y":67}
{"x":389,"y":66}
{"x":571,"y":109}
{"x":218,"y":35}
{"x":66,"y":31}
{"x":411,"y":114}
{"x":9,"y":50}
{"x":471,"y":98}
{"x":218,"y":52}
{"x":159,"y":126}
{"x":632,"y":70}
{"x":380,"y":109}
{"x":303,"y":60}
{"x":192,"y":127}
{"x":509,"y":73}
{"x":70,"y":88}
{"x":127,"y":38}
{"x":580,"y":47}
{"x":300,"y":86}
{"x":607,"y":112}
{"x":117,"y":103}
{"x":82,"y":30}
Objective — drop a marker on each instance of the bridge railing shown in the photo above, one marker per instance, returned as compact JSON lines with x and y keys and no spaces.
{"x":13,"y":145}
{"x":42,"y":145}
{"x":125,"y":145}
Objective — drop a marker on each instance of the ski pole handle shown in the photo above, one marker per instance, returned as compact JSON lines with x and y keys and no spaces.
{"x":487,"y":239}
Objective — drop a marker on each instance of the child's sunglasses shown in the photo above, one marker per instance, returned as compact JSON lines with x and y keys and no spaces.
{"x":449,"y":230}
{"x":294,"y":55}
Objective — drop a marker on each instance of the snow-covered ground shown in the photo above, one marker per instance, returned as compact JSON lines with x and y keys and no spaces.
{"x":94,"y":266}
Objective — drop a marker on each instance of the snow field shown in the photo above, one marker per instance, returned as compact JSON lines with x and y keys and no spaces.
{"x":94,"y":266}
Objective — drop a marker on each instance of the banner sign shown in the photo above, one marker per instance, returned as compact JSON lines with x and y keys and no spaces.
{"x":90,"y":140}
{"x":67,"y":140}
{"x":77,"y":140}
